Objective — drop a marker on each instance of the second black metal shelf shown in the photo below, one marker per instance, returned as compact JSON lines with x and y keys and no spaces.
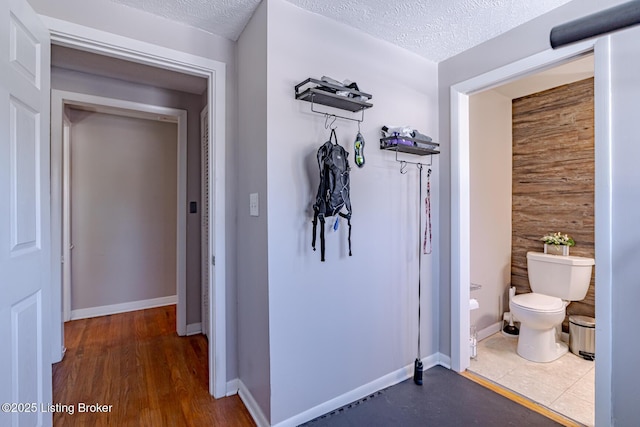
{"x":404,"y":144}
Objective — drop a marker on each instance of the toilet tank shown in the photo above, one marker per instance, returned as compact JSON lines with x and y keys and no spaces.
{"x":564,"y":277}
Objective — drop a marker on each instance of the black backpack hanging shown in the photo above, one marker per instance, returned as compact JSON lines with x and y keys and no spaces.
{"x":333,"y":191}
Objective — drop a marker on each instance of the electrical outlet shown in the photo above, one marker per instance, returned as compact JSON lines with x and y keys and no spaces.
{"x":254,"y":209}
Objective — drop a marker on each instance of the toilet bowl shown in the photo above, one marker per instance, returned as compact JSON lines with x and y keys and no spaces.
{"x":539,"y":317}
{"x":555,"y":281}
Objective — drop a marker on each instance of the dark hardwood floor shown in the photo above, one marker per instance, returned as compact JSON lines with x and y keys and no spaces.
{"x":136,"y":363}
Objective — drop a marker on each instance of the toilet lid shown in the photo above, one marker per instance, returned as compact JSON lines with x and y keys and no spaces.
{"x":538,"y":302}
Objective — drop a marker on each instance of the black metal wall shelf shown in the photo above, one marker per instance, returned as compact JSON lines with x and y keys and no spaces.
{"x":323,"y":93}
{"x":405,"y":144}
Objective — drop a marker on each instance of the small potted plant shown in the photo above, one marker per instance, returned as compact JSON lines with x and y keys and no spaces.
{"x":557,"y":244}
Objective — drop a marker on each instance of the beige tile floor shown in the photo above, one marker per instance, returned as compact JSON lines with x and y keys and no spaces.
{"x":566,"y":385}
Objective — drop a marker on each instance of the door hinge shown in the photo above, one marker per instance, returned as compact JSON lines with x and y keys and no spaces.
{"x":213,"y":260}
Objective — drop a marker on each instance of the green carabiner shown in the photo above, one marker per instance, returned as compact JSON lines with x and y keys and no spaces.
{"x":358,"y":147}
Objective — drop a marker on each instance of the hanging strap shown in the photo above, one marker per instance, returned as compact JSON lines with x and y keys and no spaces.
{"x":322,"y":238}
{"x":348,"y":218}
{"x":315,"y":226}
{"x":349,"y":238}
{"x":419,"y":256}
{"x":333,"y":137}
{"x":322,"y":226}
{"x":427,"y":245}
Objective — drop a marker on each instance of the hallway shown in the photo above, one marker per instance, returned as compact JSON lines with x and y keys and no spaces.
{"x":136,"y":363}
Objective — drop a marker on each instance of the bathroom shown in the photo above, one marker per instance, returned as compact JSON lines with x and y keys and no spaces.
{"x":520,"y":191}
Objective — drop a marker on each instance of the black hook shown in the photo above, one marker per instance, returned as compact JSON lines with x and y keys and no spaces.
{"x":403,"y":167}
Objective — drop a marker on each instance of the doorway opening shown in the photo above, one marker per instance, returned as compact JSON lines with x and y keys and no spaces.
{"x":531,"y":172}
{"x":164,"y":63}
{"x":460,"y":172}
{"x":123,"y":169}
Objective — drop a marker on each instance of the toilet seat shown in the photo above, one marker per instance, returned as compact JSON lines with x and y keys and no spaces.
{"x":538,"y":302}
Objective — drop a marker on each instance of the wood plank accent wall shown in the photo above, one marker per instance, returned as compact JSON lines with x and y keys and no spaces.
{"x":553,"y":177}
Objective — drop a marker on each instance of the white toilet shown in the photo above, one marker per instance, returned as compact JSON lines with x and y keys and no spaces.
{"x":555,"y":281}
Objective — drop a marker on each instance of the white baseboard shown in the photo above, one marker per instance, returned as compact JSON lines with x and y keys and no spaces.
{"x":85,"y":313}
{"x":194,"y":328}
{"x":443,"y":360}
{"x":232,"y":387}
{"x":489,"y":330}
{"x":59,"y":356}
{"x":388,"y":380}
{"x":252,"y":405}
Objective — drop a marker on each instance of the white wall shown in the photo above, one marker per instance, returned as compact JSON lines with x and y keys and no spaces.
{"x":139,"y":25}
{"x":123,"y":209}
{"x":129,"y":22}
{"x":338,"y":325}
{"x":253,"y":281}
{"x":490,"y":161}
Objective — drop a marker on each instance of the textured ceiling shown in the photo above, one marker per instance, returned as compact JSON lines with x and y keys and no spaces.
{"x":434,"y":29}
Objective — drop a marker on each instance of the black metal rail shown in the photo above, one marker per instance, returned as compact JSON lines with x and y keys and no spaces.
{"x":597,"y":24}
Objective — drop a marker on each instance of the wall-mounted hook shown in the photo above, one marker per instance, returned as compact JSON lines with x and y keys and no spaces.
{"x":328,"y":124}
{"x":403,"y":163}
{"x":403,"y":167}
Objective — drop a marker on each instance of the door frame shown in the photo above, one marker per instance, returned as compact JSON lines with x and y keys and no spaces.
{"x":60,"y":154}
{"x":460,"y":205}
{"x":76,"y":36}
{"x":204,"y":224}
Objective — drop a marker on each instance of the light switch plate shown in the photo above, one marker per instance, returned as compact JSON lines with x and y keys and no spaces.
{"x":254,"y":209}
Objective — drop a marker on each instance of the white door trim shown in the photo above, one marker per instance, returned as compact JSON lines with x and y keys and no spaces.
{"x":205,"y":256}
{"x":89,"y":39}
{"x":60,"y":99}
{"x":603,"y":231}
{"x":66,"y":204}
{"x":460,"y":213}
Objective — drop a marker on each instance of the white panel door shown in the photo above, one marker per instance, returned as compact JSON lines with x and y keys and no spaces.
{"x":25,"y":366}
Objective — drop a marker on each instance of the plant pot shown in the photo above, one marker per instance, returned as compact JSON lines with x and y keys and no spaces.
{"x":562,"y":250}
